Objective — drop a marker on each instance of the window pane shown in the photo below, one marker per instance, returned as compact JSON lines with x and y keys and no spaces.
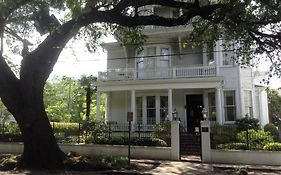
{"x":212,"y":106}
{"x":139,"y":110}
{"x":139,"y":115}
{"x":230,"y":113}
{"x":139,"y":102}
{"x":229,"y":97}
{"x":229,"y":106}
{"x":151,"y":116}
{"x":150,"y":101}
{"x":212,"y":99}
{"x":163,"y":101}
{"x":163,"y":107}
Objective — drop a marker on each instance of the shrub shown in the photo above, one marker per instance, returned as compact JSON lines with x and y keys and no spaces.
{"x":150,"y":142}
{"x":162,"y":131}
{"x":236,"y":146}
{"x":275,"y":146}
{"x":270,"y":127}
{"x":255,"y":139}
{"x":95,"y":129}
{"x":247,"y":123}
{"x":222,"y":134}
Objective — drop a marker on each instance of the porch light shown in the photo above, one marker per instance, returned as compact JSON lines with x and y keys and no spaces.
{"x":175,"y":114}
{"x":204,"y":112}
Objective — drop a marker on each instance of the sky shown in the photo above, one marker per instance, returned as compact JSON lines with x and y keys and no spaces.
{"x":75,"y":60}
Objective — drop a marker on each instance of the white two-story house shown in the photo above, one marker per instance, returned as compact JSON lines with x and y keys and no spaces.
{"x":167,"y":76}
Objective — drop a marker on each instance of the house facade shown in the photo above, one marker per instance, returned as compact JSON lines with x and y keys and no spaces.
{"x":170,"y":79}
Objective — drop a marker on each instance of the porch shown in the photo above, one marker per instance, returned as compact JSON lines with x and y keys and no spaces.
{"x":153,"y":101}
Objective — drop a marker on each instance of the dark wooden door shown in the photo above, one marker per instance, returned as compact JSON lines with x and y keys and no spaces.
{"x":194,"y":107}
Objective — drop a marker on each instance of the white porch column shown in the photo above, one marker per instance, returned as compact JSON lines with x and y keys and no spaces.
{"x":133,"y":105}
{"x":170,"y":104}
{"x":107,"y":110}
{"x":98,"y":106}
{"x":219,"y":105}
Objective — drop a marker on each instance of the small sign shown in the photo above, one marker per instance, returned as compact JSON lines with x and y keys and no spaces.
{"x":204,"y":129}
{"x":129,"y":116}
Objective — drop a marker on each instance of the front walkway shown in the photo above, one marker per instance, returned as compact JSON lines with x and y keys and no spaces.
{"x":191,"y":168}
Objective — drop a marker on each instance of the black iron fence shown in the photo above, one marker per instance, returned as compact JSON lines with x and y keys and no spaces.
{"x":97,"y":132}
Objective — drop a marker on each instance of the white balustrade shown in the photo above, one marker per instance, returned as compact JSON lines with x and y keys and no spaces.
{"x":163,"y":73}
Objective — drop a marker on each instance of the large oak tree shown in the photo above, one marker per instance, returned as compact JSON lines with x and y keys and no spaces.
{"x":254,"y":25}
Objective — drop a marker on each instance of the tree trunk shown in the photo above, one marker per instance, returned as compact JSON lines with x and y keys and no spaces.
{"x":41,"y":150}
{"x":40,"y":147}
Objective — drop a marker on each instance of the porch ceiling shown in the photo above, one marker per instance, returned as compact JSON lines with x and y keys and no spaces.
{"x":183,"y":83}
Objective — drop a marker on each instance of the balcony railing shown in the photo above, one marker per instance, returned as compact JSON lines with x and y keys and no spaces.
{"x":163,"y":73}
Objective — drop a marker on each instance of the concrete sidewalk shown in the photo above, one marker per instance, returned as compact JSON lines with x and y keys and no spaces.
{"x":185,"y":167}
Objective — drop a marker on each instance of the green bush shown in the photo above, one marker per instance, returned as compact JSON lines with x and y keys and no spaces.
{"x":247,"y":123}
{"x":150,"y":142}
{"x":162,"y":131}
{"x":65,"y":128}
{"x":235,"y":146}
{"x":275,"y":146}
{"x":256,"y":139}
{"x":221,"y":134}
{"x":270,"y":127}
{"x":124,"y":141}
{"x":95,"y":129}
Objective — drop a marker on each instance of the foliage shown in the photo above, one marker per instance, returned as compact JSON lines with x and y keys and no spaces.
{"x":255,"y":139}
{"x":272,"y":129}
{"x":65,"y":99}
{"x":274,"y":103}
{"x":222,"y":134}
{"x":162,"y":130}
{"x":4,"y":113}
{"x":275,"y":146}
{"x":122,"y":140}
{"x":246,"y":123}
{"x":95,"y":129}
{"x":235,"y":146}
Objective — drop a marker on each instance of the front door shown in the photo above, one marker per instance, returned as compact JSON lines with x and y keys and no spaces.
{"x":194,"y":107}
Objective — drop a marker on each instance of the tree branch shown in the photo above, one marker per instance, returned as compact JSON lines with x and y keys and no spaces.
{"x":9,"y":91}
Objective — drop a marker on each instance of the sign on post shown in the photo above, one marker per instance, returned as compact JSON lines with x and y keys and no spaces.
{"x":129,"y":116}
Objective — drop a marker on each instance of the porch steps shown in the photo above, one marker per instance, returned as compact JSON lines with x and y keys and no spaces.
{"x":190,"y":144}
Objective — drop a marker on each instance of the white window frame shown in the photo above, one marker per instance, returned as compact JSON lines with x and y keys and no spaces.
{"x":230,"y":106}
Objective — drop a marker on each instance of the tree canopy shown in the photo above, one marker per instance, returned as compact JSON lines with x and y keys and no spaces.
{"x":253,"y":26}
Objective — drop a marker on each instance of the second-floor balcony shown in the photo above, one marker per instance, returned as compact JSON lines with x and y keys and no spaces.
{"x":163,"y":73}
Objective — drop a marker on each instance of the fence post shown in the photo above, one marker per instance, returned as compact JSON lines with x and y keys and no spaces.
{"x":205,"y":141}
{"x":175,"y":140}
{"x":79,"y":130}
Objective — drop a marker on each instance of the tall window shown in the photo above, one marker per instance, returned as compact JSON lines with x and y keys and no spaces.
{"x":229,"y":105}
{"x":139,"y":110}
{"x":163,"y":107}
{"x":153,"y":62}
{"x":248,"y":103}
{"x":212,"y":106}
{"x":151,"y":110}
